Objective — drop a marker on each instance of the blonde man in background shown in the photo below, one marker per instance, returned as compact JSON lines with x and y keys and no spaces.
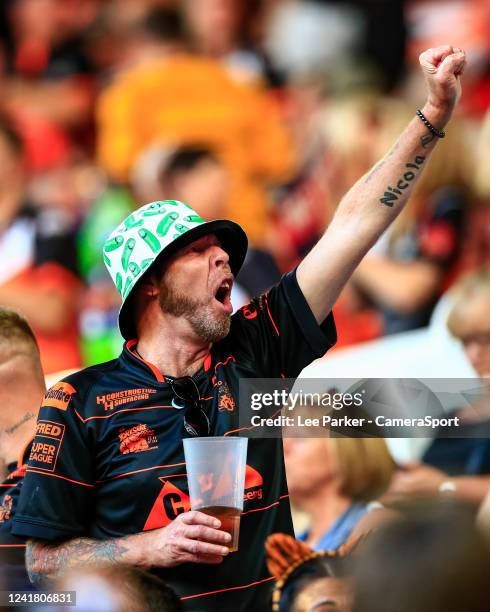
{"x":21,"y":392}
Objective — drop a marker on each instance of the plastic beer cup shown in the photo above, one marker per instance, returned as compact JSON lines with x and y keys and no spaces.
{"x":216,"y":478}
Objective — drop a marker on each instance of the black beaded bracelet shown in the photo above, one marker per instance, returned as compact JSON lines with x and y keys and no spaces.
{"x":434,"y":130}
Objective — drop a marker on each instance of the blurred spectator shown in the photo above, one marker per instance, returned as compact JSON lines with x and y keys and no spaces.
{"x":49,"y":92}
{"x":431,"y":560}
{"x":339,"y":40}
{"x":39,"y":274}
{"x":461,"y":466}
{"x":21,"y":391}
{"x":332,"y":480}
{"x":303,"y":207}
{"x":476,"y":253}
{"x":411,"y":266}
{"x":176,"y":98}
{"x":467,"y":24}
{"x":469,"y":319}
{"x":46,"y":36}
{"x":226,"y":29}
{"x":306,"y":580}
{"x":118,"y":588}
{"x":483,"y":517}
{"x":306,"y":38}
{"x":100,"y":337}
{"x":335,"y":139}
{"x":196,"y":175}
{"x":482,"y":159}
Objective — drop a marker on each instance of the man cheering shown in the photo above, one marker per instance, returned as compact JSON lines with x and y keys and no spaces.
{"x":108,"y":484}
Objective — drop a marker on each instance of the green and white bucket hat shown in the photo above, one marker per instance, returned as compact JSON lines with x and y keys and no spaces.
{"x":156,"y":230}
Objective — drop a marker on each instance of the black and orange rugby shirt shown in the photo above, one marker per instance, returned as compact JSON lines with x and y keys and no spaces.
{"x":108,"y":458}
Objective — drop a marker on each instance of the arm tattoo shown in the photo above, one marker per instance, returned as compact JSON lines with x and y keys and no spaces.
{"x":24,"y":419}
{"x":391,"y":194}
{"x":427,"y":139}
{"x":46,"y":560}
{"x":373,"y":171}
{"x":380,"y":164}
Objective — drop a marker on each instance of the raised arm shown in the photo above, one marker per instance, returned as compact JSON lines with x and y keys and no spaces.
{"x":376,"y":199}
{"x":192,"y":537}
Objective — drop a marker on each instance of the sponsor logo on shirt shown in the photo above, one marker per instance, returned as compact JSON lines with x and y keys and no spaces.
{"x":118,"y":398}
{"x":253,"y":484}
{"x":225,"y":398}
{"x":46,"y":445}
{"x":59,"y":396}
{"x":249,"y":311}
{"x":137,"y":439}
{"x":172,"y":501}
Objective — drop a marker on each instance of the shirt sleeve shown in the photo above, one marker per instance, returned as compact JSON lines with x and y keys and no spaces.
{"x":278,"y":333}
{"x":56,"y":499}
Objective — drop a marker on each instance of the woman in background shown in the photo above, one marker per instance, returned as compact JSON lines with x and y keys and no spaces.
{"x":332,"y":480}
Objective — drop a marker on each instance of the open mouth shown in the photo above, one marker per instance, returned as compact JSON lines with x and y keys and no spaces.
{"x":223,"y":293}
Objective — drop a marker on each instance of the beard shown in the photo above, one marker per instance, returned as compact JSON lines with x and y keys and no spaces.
{"x":208,"y":325}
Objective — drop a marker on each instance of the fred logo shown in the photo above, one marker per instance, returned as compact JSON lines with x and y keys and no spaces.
{"x":48,"y":428}
{"x":137,"y":439}
{"x":59,"y":396}
{"x":225,"y":399}
{"x":46,"y":445}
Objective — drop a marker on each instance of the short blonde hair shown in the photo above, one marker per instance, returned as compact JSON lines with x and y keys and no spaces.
{"x":365,"y":467}
{"x":16,"y":335}
{"x":469,"y":291}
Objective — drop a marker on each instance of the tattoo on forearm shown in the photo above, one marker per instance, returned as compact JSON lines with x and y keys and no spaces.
{"x":24,"y":419}
{"x":427,"y":139}
{"x":47,"y":560}
{"x":381,"y":163}
{"x":392,"y":193}
{"x":373,"y":171}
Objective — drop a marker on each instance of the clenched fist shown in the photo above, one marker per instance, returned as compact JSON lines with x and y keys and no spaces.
{"x":442,"y":68}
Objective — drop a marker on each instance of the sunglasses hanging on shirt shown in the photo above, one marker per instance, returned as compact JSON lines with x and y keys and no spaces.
{"x":188,"y":398}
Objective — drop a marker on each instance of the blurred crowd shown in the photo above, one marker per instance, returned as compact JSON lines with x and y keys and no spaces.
{"x":264,"y":111}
